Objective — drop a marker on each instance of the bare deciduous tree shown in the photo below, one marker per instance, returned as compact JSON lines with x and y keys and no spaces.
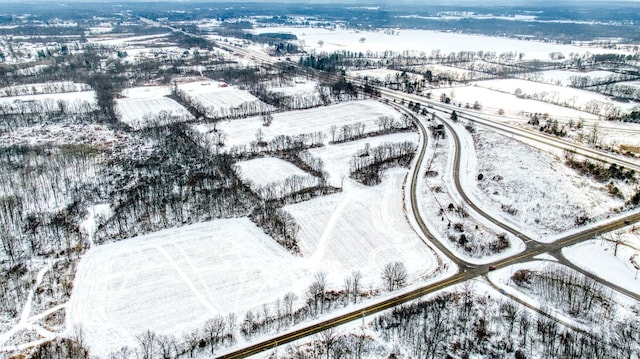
{"x":394,"y":275}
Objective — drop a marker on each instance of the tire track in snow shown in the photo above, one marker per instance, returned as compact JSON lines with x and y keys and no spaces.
{"x":188,"y":282}
{"x":196,"y":272}
{"x":321,"y":249}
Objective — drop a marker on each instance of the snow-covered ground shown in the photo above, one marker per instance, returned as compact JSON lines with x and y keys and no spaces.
{"x":140,"y":113}
{"x":119,"y":40}
{"x":492,"y":101}
{"x":378,"y":74}
{"x":362,"y":228}
{"x":175,"y":279}
{"x":421,"y":41}
{"x":569,"y":97}
{"x":563,"y":77}
{"x":275,"y":174}
{"x":337,"y":157}
{"x":220,"y":99}
{"x":502,"y":278}
{"x":597,"y":257}
{"x":300,"y":87}
{"x":436,"y":193}
{"x":242,"y":132}
{"x":43,"y":88}
{"x":537,"y":192}
{"x":99,"y":136}
{"x":72,"y":102}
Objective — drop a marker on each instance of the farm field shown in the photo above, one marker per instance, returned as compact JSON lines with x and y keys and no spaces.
{"x":362,"y":228}
{"x":175,"y":279}
{"x":339,"y":39}
{"x":337,"y":157}
{"x":220,"y":100}
{"x":563,"y":77}
{"x":492,"y":101}
{"x":570,"y":97}
{"x":73,"y":102}
{"x":43,"y":88}
{"x":240,"y":133}
{"x":153,"y":111}
{"x":281,"y":176}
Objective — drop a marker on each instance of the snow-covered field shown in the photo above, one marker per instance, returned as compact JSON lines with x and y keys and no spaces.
{"x":570,"y":97}
{"x":378,"y":74}
{"x":72,"y":102}
{"x":173,"y":280}
{"x":597,"y":257}
{"x":362,"y":228}
{"x":176,"y":279}
{"x":492,"y":101}
{"x":242,"y":132}
{"x":275,"y":173}
{"x":300,"y":87}
{"x":219,"y":99}
{"x":421,"y":41}
{"x":563,"y":77}
{"x":337,"y":157}
{"x":144,"y":106}
{"x":43,"y":88}
{"x":537,"y":192}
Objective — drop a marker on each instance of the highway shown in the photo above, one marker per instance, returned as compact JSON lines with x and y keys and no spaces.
{"x":466,"y":270}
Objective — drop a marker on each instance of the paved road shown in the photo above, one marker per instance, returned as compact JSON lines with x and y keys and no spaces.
{"x":466,"y":271}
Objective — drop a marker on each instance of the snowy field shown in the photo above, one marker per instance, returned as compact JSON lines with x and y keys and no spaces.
{"x":242,"y":132}
{"x":219,"y":99}
{"x":378,"y":74}
{"x":337,"y":157}
{"x":362,"y":228}
{"x":176,"y":279}
{"x":119,"y":40}
{"x":173,"y":280}
{"x":299,"y":87}
{"x":274,"y":172}
{"x":421,"y":41}
{"x":563,"y":77}
{"x":140,"y":113}
{"x":537,"y":192}
{"x":597,"y":257}
{"x":73,"y":102}
{"x":43,"y":88}
{"x":492,"y":101}
{"x":570,"y":97}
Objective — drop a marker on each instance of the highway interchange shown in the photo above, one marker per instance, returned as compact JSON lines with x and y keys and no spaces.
{"x":466,"y":271}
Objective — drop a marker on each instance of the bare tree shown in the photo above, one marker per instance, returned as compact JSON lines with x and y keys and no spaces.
{"x":356,"y":280}
{"x":147,"y":342}
{"x":214,"y":330}
{"x":394,"y":275}
{"x":316,"y":292}
{"x":167,"y":346}
{"x":327,"y":339}
{"x":191,"y":339}
{"x":348,"y":284}
{"x":288,"y":300}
